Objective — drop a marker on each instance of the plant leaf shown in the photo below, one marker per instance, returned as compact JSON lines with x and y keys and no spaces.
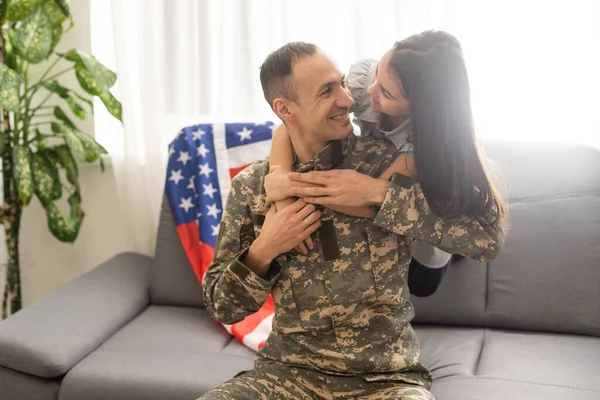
{"x":83,"y":147}
{"x":57,"y":88}
{"x":18,"y":9}
{"x":76,"y":108}
{"x":112,"y":105}
{"x":22,"y":172}
{"x":46,"y":180}
{"x":92,"y":149}
{"x":33,"y":37}
{"x":10,"y":58}
{"x":57,"y":32}
{"x":65,"y":159}
{"x":93,"y":77}
{"x":71,"y":139}
{"x":65,"y":228}
{"x":56,"y":14}
{"x":66,"y":94}
{"x":60,"y":114}
{"x":88,"y":101}
{"x":9,"y":88}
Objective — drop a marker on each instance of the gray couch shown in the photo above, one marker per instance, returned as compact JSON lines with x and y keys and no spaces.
{"x":525,"y":326}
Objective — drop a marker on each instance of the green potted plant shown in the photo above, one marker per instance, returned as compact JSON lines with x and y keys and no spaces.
{"x":40,"y":145}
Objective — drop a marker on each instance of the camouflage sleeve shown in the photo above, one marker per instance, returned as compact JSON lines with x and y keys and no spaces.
{"x":406,"y":212}
{"x":231,"y":290}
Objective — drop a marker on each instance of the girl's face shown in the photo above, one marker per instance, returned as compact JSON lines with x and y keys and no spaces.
{"x":387,"y":92}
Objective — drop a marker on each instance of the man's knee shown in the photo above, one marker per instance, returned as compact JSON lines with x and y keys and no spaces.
{"x":264,"y":383}
{"x":243,"y":388}
{"x":400,"y":392}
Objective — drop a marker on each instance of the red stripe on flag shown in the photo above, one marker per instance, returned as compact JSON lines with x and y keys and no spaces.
{"x":234,"y":171}
{"x":250,"y":323}
{"x":199,"y":254}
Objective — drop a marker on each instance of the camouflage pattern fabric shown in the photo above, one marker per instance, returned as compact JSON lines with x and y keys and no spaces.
{"x":275,"y":381}
{"x":343,"y":309}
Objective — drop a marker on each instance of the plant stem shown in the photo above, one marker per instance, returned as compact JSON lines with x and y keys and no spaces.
{"x":11,"y":212}
{"x":55,"y":75}
{"x":50,"y":68}
{"x":40,"y":123}
{"x":41,"y":81}
{"x":39,"y":106}
{"x":67,"y":189}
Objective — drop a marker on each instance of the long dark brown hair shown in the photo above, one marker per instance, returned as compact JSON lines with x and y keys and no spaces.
{"x":455,"y":176}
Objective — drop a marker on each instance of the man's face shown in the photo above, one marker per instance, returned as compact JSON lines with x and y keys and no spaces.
{"x":323,"y":100}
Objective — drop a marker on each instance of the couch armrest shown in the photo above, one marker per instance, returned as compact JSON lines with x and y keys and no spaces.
{"x":52,"y":335}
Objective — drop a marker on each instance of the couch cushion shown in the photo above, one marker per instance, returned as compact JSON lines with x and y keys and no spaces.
{"x":473,"y":363}
{"x":448,"y":351}
{"x":547,"y":277}
{"x":497,"y":389}
{"x":174,"y":282}
{"x":166,"y":353}
{"x":460,"y":299}
{"x":19,"y":386}
{"x":542,"y":170}
{"x":552,"y":359}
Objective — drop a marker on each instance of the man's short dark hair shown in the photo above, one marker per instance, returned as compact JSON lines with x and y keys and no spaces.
{"x":276,"y":71}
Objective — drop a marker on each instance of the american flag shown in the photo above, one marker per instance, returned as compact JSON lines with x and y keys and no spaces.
{"x":203,"y":159}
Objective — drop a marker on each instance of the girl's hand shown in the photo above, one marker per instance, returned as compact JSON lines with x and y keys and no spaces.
{"x":339,"y":187}
{"x":277,"y":184}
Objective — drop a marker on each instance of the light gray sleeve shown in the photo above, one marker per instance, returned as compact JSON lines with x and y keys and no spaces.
{"x":359,"y":79}
{"x":428,"y":255}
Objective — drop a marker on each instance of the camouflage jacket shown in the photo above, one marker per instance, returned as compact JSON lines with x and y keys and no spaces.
{"x":344,"y":308}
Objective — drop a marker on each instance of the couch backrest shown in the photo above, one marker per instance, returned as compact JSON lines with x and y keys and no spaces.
{"x":547,"y":277}
{"x":174,"y":281}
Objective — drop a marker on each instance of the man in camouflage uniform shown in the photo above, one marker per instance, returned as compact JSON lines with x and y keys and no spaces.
{"x":342,"y":322}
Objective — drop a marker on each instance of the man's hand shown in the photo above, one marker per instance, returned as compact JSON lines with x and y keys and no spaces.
{"x":307,"y":243}
{"x":339,"y":187}
{"x":281,"y":232}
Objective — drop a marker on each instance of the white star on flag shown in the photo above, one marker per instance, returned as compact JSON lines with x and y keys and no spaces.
{"x":184,"y":157}
{"x":198,"y":134}
{"x":202,"y":150}
{"x":171,"y":151}
{"x":209,"y":190}
{"x":206,"y":170}
{"x":245,"y":134}
{"x":186,"y":204}
{"x":215,"y":230}
{"x":213,"y":211}
{"x":176,"y":176}
{"x":191,"y":185}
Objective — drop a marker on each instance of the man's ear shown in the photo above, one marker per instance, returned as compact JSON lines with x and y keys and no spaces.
{"x":281,"y":106}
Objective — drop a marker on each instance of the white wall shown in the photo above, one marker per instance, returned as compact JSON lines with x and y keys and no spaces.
{"x":47,"y":263}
